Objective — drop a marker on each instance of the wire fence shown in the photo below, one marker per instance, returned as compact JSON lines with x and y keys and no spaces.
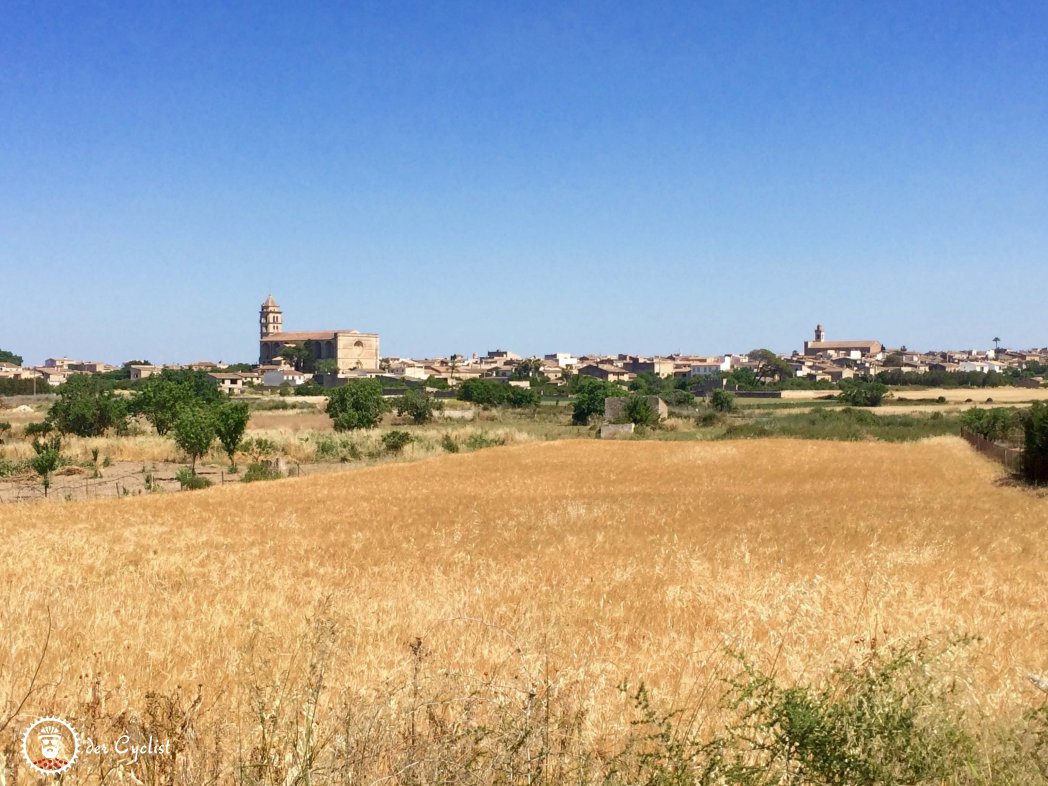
{"x":81,"y":486}
{"x":1009,"y":455}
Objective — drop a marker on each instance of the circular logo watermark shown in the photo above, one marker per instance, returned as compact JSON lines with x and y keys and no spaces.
{"x":50,"y":745}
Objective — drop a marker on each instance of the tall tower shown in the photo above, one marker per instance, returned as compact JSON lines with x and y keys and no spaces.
{"x":820,"y":334}
{"x":270,"y":318}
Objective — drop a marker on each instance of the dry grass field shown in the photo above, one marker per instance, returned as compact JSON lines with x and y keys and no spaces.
{"x":340,"y":623}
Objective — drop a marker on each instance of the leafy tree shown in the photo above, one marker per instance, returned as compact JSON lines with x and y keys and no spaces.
{"x":160,"y":398}
{"x":42,"y":427}
{"x":48,"y":458}
{"x":862,"y":393}
{"x":194,"y":432}
{"x":994,"y":424}
{"x":86,"y":409}
{"x":357,"y":404}
{"x":530,"y":368}
{"x":10,"y":357}
{"x":299,"y":356}
{"x":258,"y":448}
{"x":1035,"y":444}
{"x":744,"y":378}
{"x":328,"y":366}
{"x":417,"y":406}
{"x":230,"y":424}
{"x":722,"y":401}
{"x":678,"y":398}
{"x":484,"y":392}
{"x":590,"y":393}
{"x":438,"y":383}
{"x":639,"y":411}
{"x":309,"y":388}
{"x":770,"y":366}
{"x":523,"y":397}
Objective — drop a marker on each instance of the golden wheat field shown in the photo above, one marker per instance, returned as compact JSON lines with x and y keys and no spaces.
{"x":370,"y":607}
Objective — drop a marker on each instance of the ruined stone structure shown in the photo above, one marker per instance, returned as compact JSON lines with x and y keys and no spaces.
{"x":350,"y":349}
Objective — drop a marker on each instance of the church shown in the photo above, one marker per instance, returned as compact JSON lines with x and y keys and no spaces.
{"x":350,"y":349}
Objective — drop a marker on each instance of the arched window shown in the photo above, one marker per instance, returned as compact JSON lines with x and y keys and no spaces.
{"x":358,"y":344}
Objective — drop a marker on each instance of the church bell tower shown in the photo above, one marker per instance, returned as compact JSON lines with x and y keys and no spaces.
{"x":270,"y":318}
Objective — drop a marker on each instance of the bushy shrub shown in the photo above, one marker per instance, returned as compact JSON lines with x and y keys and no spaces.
{"x":190,"y":481}
{"x":260,"y":471}
{"x":42,"y":428}
{"x":395,"y":441}
{"x":418,"y":406}
{"x":448,"y":443}
{"x":1035,"y":443}
{"x":640,"y":412}
{"x":862,"y":393}
{"x":722,"y":401}
{"x":480,"y":440}
{"x":993,"y":424}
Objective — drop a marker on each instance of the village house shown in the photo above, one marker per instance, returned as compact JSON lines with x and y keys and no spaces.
{"x":142,"y":372}
{"x":279,"y":377}
{"x":234,"y":382}
{"x":606,"y":372}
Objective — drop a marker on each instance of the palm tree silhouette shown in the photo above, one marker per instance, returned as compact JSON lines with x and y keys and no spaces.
{"x":996,"y":342}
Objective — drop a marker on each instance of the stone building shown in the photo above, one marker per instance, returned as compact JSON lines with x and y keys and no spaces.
{"x":835,"y":349}
{"x":350,"y":349}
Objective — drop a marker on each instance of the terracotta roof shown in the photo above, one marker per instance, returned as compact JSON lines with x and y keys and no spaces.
{"x":325,"y":335}
{"x":841,"y":344}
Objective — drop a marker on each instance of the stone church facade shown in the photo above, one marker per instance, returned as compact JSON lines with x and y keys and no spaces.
{"x":350,"y":349}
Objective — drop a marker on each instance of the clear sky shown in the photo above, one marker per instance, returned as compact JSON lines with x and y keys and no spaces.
{"x":461,"y":176}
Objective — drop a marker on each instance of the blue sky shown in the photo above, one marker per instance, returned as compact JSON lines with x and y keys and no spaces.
{"x":460,"y":176}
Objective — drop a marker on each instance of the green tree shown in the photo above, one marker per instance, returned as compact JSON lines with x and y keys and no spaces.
{"x":328,"y":366}
{"x":230,"y":425}
{"x":744,"y":378}
{"x":1035,"y":443}
{"x":417,"y":406}
{"x":357,"y":404}
{"x":530,"y":368}
{"x":194,"y":431}
{"x":722,"y":400}
{"x":590,"y":393}
{"x":770,"y":366}
{"x":47,"y":459}
{"x":523,"y":397}
{"x":10,"y":357}
{"x":86,"y":409}
{"x":862,"y":392}
{"x":996,"y":342}
{"x":160,"y":398}
{"x":484,"y":392}
{"x":299,"y":356}
{"x":640,"y":412}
